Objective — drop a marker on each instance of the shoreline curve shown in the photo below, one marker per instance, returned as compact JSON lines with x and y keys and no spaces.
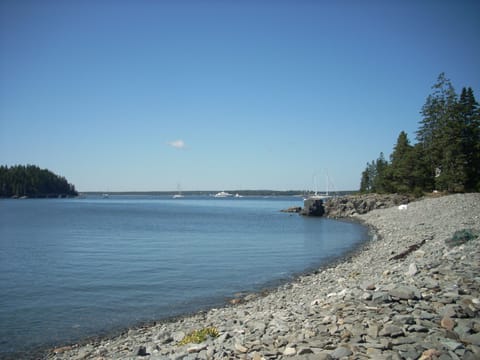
{"x":369,"y":304}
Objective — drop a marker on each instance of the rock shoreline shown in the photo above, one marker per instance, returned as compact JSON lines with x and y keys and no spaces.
{"x":408,"y":294}
{"x":349,"y":205}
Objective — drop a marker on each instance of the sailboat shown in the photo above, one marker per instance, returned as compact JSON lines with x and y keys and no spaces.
{"x":316,"y":195}
{"x":179,"y":194}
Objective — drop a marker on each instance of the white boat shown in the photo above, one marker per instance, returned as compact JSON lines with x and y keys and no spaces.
{"x":222,"y":194}
{"x":178,"y":195}
{"x":316,"y":195}
{"x":237,"y":195}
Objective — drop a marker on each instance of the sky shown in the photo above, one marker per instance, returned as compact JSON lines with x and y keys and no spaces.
{"x":222,"y":94}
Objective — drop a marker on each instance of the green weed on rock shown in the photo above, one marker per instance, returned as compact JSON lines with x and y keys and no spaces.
{"x":199,"y":336}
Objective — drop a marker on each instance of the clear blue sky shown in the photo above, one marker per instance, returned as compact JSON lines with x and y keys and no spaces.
{"x":144,"y":94}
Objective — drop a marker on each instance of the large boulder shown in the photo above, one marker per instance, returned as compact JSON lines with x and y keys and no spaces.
{"x":313,"y":207}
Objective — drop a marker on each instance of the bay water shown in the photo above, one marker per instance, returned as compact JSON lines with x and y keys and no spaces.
{"x":75,"y":268}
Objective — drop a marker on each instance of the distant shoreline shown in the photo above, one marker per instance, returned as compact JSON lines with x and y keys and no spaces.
{"x":40,"y":196}
{"x":210,"y":192}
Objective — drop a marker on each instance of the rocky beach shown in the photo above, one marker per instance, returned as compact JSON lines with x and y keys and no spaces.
{"x":411,"y":292}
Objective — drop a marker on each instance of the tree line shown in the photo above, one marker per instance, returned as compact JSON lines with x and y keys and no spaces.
{"x":31,"y":181}
{"x":446,"y":156}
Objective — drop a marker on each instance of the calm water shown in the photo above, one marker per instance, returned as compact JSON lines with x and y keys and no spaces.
{"x":72,"y":268}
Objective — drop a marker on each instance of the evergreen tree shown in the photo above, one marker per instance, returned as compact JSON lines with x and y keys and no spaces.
{"x":447,"y":154}
{"x":421,"y":174}
{"x":374,"y":177}
{"x":368,"y":175}
{"x":469,"y":116}
{"x":402,"y":165}
{"x":452,"y":176}
{"x":437,"y":114}
{"x":381,"y":181}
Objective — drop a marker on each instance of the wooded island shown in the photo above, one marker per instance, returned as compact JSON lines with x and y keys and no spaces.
{"x":30,"y":181}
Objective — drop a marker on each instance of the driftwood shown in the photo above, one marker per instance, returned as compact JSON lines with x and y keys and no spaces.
{"x":410,"y":249}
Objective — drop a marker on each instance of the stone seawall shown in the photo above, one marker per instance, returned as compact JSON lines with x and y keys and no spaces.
{"x":410,"y":293}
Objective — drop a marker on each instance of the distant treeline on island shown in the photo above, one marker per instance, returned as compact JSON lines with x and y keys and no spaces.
{"x":31,"y":181}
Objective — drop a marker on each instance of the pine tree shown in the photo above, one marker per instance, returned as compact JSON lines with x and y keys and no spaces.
{"x":421,"y":174}
{"x":368,"y":178}
{"x":469,"y":113}
{"x":402,"y":165}
{"x":453,"y":174}
{"x":381,"y":183}
{"x":437,"y":113}
{"x":447,"y":154}
{"x":365,"y":181}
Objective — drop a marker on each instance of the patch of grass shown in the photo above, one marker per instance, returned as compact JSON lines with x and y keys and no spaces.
{"x":199,"y":336}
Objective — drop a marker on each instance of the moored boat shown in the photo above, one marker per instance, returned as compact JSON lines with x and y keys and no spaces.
{"x":222,"y":194}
